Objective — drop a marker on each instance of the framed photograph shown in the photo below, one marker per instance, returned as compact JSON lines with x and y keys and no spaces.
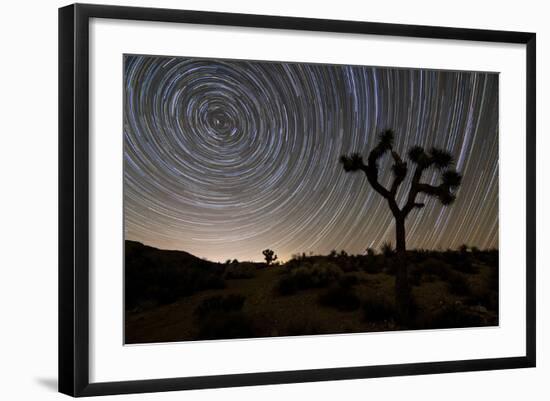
{"x":248,"y":199}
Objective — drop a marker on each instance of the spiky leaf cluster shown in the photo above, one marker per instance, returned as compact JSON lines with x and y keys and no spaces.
{"x":440,"y":159}
{"x":399,"y":169}
{"x":446,"y":198}
{"x":451,"y":179}
{"x":353,"y":162}
{"x":417,"y":155}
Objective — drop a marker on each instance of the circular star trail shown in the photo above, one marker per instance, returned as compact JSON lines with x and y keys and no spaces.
{"x":225,"y":158}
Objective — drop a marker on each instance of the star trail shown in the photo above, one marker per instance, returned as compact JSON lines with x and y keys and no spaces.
{"x":225,"y":158}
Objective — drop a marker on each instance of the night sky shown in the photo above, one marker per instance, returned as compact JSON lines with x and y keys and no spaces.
{"x":225,"y":158}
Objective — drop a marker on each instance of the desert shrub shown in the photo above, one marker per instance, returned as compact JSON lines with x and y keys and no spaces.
{"x":452,"y":257}
{"x":435,"y":267}
{"x":218,"y":325}
{"x":453,"y":316}
{"x":341,"y":298}
{"x":390,"y":265}
{"x":349,"y":280}
{"x":317,"y":275}
{"x":458,"y":285}
{"x":372,"y":264}
{"x":459,"y":260}
{"x":219,"y":304}
{"x":378,"y":309}
{"x":350,"y":263}
{"x":485,"y":298}
{"x":287,"y":286}
{"x":387,"y":249}
{"x":427,"y":270}
{"x":240,"y":271}
{"x":415,"y":275}
{"x":466,"y":266}
{"x":293,"y":263}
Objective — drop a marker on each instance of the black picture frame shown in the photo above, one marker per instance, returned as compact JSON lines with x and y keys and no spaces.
{"x":74,"y":197}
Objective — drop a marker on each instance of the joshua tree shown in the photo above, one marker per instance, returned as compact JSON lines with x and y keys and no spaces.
{"x":463,"y":248}
{"x":439,"y":159}
{"x":270,"y":256}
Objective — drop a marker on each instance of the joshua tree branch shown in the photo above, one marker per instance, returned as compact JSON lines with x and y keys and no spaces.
{"x":430,"y":189}
{"x":411,"y":200}
{"x":354,"y":162}
{"x":372,"y":176}
{"x":400,"y":170}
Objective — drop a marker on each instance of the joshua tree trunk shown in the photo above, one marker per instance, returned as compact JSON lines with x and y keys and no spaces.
{"x":402,"y":290}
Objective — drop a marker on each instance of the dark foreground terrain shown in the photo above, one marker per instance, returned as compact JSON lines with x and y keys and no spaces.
{"x":175,"y":296}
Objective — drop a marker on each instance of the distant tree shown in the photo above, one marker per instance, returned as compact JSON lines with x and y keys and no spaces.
{"x":370,"y":252}
{"x":235,"y":262}
{"x":343,"y":254}
{"x":333,"y":253}
{"x":450,"y":179}
{"x":463,"y":248}
{"x":228,"y":261}
{"x":269,"y":256}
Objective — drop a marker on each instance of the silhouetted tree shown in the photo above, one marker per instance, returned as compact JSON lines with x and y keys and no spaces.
{"x":269,"y":256}
{"x":439,"y":159}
